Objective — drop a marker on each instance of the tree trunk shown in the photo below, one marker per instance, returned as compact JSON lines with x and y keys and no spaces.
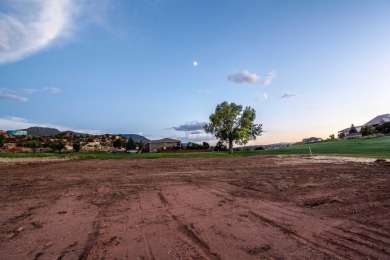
{"x":230,"y":146}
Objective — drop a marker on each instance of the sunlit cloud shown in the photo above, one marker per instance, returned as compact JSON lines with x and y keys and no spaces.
{"x":33,"y":26}
{"x":12,"y":123}
{"x":243,"y":77}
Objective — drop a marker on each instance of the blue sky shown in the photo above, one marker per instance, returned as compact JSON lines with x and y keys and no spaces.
{"x":308,"y":68}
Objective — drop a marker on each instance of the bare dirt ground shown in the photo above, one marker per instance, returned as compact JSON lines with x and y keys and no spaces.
{"x":206,"y":208}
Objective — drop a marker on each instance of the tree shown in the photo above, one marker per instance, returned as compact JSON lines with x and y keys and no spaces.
{"x":33,"y":144}
{"x":140,"y":145}
{"x":341,"y":135}
{"x":231,"y":124}
{"x":353,"y":129}
{"x":368,"y":130}
{"x":332,"y":137}
{"x":131,"y":145}
{"x":206,"y":145}
{"x":77,"y":147}
{"x":384,"y":128}
{"x":58,"y":146}
{"x":220,"y":146}
{"x":119,"y":143}
{"x":1,"y":140}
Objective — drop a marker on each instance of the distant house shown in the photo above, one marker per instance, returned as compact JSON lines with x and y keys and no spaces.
{"x":347,"y":134}
{"x":311,"y":140}
{"x":16,"y":132}
{"x":378,"y":120}
{"x":162,"y":144}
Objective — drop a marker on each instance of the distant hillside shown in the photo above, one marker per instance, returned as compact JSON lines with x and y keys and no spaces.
{"x":137,"y":138}
{"x":47,"y":131}
{"x":42,"y":131}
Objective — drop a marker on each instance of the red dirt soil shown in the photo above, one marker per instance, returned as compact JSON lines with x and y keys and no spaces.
{"x":199,"y":208}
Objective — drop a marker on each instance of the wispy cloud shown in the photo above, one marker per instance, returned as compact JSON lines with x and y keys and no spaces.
{"x":11,"y":123}
{"x":52,"y":90}
{"x":288,"y":96}
{"x":33,"y":26}
{"x":244,"y":77}
{"x":268,"y":78}
{"x":190,"y":126}
{"x":251,"y":78}
{"x":13,"y":97}
{"x":203,"y":91}
{"x":19,"y":95}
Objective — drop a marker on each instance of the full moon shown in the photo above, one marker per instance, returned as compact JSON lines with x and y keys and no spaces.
{"x":195,"y":63}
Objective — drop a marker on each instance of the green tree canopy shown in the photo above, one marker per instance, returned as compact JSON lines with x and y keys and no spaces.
{"x":353,"y":129}
{"x":1,"y":140}
{"x":34,"y":144}
{"x":230,"y":123}
{"x":131,"y":145}
{"x":368,"y":130}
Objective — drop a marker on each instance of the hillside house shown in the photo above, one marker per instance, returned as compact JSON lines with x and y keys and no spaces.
{"x":311,"y":140}
{"x":378,"y":120}
{"x":162,"y":144}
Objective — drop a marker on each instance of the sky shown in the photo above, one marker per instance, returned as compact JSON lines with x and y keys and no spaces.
{"x":160,"y":67}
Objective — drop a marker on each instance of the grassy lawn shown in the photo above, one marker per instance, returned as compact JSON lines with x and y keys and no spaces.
{"x":363,"y":147}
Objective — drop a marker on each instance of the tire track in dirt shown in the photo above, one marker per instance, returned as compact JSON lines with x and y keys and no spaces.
{"x":288,"y":232}
{"x":145,"y":238}
{"x":92,"y":239}
{"x":189,"y":231}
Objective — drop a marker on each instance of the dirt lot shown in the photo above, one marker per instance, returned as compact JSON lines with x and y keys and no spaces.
{"x":215,"y":208}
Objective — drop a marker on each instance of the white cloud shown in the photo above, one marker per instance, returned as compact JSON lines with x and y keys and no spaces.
{"x":262,"y":96}
{"x":18,"y":95}
{"x":243,"y":77}
{"x":12,"y":123}
{"x":52,"y":90}
{"x":190,"y":126}
{"x":267,"y":80}
{"x":34,"y":26}
{"x":9,"y":96}
{"x":196,"y":136}
{"x":288,"y":96}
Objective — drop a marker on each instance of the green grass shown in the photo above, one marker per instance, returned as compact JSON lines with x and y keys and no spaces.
{"x":364,"y":147}
{"x":106,"y":155}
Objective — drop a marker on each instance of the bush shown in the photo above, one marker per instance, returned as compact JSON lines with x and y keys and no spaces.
{"x":368,"y":130}
{"x":77,"y":147}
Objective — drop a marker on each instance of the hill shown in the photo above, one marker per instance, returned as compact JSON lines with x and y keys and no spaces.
{"x":42,"y":131}
{"x":137,"y":138}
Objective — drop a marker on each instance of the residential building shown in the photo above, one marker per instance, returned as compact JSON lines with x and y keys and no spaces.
{"x":162,"y":144}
